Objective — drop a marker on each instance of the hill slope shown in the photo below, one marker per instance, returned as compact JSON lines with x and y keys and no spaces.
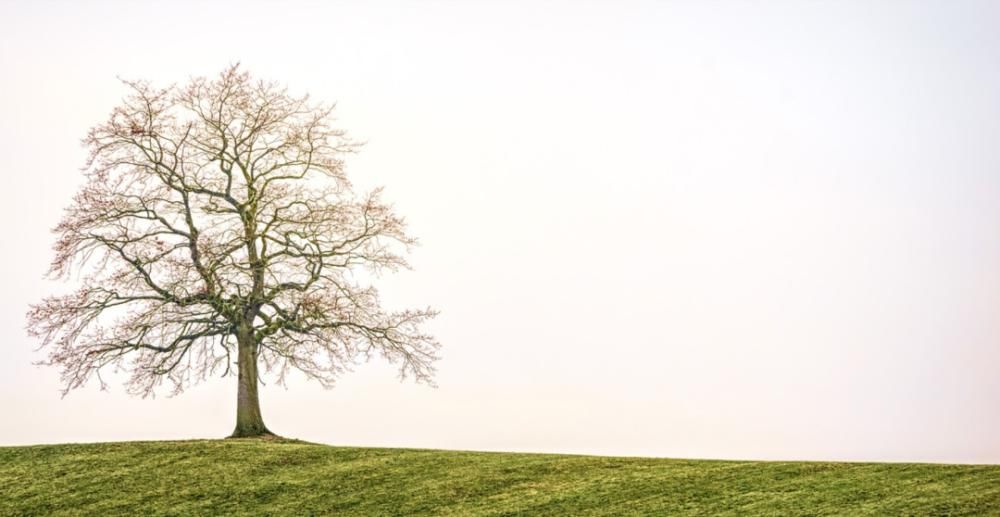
{"x":286,"y":477}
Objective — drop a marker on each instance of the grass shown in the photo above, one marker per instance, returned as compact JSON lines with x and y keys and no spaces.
{"x":281,"y":477}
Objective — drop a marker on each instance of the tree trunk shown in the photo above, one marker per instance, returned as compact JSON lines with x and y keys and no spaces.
{"x":248,"y":419}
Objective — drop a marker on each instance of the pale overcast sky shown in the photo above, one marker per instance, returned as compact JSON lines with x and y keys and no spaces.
{"x":762,"y":230}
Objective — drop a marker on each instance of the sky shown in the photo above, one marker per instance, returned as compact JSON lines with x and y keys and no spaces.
{"x":748,"y":230}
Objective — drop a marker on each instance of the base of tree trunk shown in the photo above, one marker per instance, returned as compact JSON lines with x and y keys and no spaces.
{"x":251,"y":429}
{"x":265,"y":435}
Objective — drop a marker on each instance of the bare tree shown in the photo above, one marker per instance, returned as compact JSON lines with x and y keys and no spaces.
{"x":216,"y":228}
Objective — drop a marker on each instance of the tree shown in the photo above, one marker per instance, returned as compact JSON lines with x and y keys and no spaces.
{"x":216,"y":228}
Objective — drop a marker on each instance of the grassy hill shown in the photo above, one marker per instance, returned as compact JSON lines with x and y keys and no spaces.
{"x":295,"y":478}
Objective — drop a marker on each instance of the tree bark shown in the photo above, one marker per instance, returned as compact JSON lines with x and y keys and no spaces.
{"x":249,"y":421}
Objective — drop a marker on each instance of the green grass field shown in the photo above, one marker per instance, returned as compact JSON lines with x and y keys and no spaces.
{"x":219,"y":477}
